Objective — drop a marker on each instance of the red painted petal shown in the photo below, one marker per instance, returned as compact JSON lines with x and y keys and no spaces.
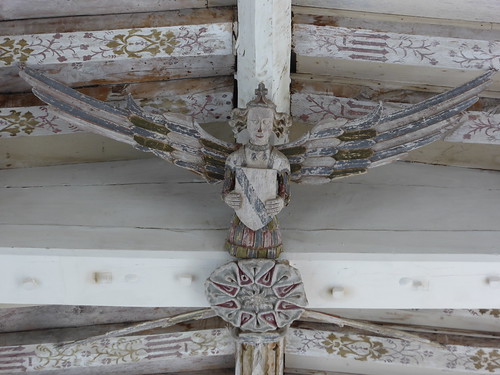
{"x":284,"y":305}
{"x":231,"y":290}
{"x":244,"y":318}
{"x":243,"y":278}
{"x":269,"y":318}
{"x":228,"y":305}
{"x":283,"y":291}
{"x":267,"y":278}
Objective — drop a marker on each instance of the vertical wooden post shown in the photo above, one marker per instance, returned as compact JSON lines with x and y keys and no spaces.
{"x":263,"y":50}
{"x":259,"y":353}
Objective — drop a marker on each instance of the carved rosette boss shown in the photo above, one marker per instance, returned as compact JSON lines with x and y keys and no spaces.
{"x":257,"y":295}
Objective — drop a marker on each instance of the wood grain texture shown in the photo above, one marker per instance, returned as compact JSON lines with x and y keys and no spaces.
{"x":418,"y":76}
{"x":13,"y":10}
{"x":387,"y":90}
{"x":476,"y":322}
{"x":260,"y":354}
{"x":117,"y":21}
{"x":141,"y":91}
{"x":49,"y":317}
{"x":381,"y":22}
{"x":482,"y":11}
{"x":126,"y":71}
{"x":140,"y":218}
{"x":458,"y":154}
{"x":263,"y":51}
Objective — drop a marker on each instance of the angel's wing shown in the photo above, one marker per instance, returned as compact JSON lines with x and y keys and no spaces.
{"x":175,"y":138}
{"x":334,"y":149}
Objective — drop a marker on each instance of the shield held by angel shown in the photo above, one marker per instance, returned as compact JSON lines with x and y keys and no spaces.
{"x":256,"y":173}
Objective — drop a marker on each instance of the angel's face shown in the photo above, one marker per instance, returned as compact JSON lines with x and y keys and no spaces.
{"x":260,"y":125}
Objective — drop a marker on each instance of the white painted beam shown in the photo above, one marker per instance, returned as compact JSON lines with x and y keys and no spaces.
{"x":394,"y":48}
{"x":128,"y":233}
{"x":263,"y":50}
{"x":124,"y":55}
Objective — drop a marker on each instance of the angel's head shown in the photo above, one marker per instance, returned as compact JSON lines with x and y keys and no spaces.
{"x":260,"y":113}
{"x":260,"y":125}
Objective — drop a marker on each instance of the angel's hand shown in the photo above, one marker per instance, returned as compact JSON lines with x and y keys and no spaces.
{"x":274,"y":206}
{"x":233,"y":200}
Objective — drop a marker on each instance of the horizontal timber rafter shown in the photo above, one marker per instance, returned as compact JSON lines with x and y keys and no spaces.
{"x":23,"y":9}
{"x":314,"y":100}
{"x":117,"y":218}
{"x":101,"y":22}
{"x":308,"y":346}
{"x":204,"y":100}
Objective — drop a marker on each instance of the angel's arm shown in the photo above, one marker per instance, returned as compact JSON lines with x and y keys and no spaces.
{"x":284,"y":186}
{"x":232,"y":198}
{"x":274,"y":206}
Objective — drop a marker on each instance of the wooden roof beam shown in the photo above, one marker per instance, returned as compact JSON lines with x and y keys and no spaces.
{"x":402,"y":236}
{"x":263,"y":50}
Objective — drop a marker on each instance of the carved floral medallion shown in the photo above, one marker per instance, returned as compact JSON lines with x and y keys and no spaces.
{"x":257,"y":295}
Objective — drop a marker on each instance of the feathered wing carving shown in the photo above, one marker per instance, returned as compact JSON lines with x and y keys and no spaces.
{"x":334,"y":149}
{"x":175,"y":138}
{"x":331,"y":150}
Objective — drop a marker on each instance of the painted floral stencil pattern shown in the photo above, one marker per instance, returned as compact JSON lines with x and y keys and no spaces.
{"x":115,"y":351}
{"x":386,"y":350}
{"x":213,"y":39}
{"x":386,"y":47}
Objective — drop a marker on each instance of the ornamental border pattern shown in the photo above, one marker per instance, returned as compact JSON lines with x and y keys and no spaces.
{"x":172,"y":41}
{"x":116,"y":351}
{"x":389,"y":351}
{"x":393,"y":48}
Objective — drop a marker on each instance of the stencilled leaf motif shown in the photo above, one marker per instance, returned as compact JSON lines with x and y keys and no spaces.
{"x":16,"y":122}
{"x":168,"y":42}
{"x":118,"y":351}
{"x":486,"y":360}
{"x":359,"y":348}
{"x":493,"y":312}
{"x":24,"y":53}
{"x":137,"y":43}
{"x":12,"y":51}
{"x":7,"y":51}
{"x":331,"y":344}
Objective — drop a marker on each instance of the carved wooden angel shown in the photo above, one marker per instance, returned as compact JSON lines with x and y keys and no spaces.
{"x":256,"y":175}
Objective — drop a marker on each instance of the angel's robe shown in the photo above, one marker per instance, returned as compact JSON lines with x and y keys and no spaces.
{"x":243,"y":242}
